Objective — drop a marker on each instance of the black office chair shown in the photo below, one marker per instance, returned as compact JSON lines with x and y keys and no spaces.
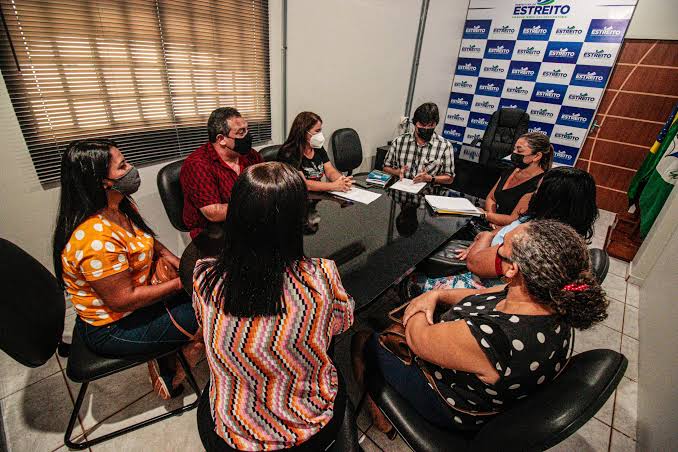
{"x":28,"y":288}
{"x":536,"y":423}
{"x":270,"y":153}
{"x":171,"y":194}
{"x":506,"y":125}
{"x":347,"y":150}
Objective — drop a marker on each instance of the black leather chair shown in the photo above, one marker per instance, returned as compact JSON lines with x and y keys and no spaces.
{"x":347,"y":150}
{"x":536,"y":423}
{"x":270,"y":153}
{"x":505,"y":126}
{"x":600,"y":263}
{"x":28,"y":288}
{"x":171,"y":194}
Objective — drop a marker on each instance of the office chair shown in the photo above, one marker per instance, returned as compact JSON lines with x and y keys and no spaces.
{"x":506,"y":125}
{"x":270,"y":153}
{"x":171,"y":194}
{"x":536,"y":423}
{"x":31,"y":339}
{"x":347,"y":150}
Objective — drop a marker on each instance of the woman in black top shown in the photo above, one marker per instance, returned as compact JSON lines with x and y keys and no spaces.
{"x":532,"y":155}
{"x":495,"y":346}
{"x":304,"y":150}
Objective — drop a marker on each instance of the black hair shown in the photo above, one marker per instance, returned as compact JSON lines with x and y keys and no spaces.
{"x":292,"y":150}
{"x":84,"y":166}
{"x":567,"y":195}
{"x":426,"y":113}
{"x":217,"y":124}
{"x":551,"y":256}
{"x":263,"y":241}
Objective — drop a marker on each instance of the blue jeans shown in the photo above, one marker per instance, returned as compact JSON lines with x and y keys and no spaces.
{"x":411,"y":384}
{"x":148,"y":330}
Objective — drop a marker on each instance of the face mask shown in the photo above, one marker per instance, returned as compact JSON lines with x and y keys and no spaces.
{"x":317,"y":140}
{"x":243,"y":145}
{"x":425,"y":134}
{"x":127,"y":184}
{"x":519,"y":161}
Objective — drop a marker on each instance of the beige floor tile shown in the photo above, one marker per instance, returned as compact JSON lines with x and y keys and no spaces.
{"x":598,"y":336}
{"x":618,"y":267}
{"x":15,"y":376}
{"x":615,"y":315}
{"x":622,"y":443}
{"x":594,"y":436}
{"x":615,"y":287}
{"x":629,"y":348}
{"x":397,"y":445}
{"x":35,"y":418}
{"x":597,"y":241}
{"x":178,"y":433}
{"x":633,"y":295}
{"x":626,"y":407}
{"x":605,"y":413}
{"x":367,"y":444}
{"x":631,"y":321}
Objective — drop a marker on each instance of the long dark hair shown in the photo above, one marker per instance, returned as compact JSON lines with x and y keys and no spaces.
{"x":293,"y":148}
{"x":84,"y":166}
{"x":539,"y":142}
{"x":264,"y":240}
{"x":567,"y":195}
{"x":551,"y":255}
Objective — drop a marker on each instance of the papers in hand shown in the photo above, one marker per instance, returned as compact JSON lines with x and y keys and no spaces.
{"x":408,"y":185}
{"x":357,"y":195}
{"x":452,"y":206}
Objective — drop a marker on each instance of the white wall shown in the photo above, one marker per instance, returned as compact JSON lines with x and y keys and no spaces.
{"x":654,"y":19}
{"x":348,"y":60}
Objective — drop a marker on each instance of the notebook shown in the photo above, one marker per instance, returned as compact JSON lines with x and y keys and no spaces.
{"x":357,"y":195}
{"x":408,"y":186}
{"x":452,"y":206}
{"x":379,"y":178}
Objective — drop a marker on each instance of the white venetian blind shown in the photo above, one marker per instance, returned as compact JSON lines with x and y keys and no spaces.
{"x":146,"y":73}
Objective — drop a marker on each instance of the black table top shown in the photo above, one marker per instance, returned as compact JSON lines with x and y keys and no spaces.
{"x":374,"y":245}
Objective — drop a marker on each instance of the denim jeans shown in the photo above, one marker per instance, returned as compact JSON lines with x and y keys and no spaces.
{"x":148,"y":330}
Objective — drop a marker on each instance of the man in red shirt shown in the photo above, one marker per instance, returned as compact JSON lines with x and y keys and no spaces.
{"x":208,"y":174}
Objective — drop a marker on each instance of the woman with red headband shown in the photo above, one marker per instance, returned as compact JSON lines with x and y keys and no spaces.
{"x":492,"y":347}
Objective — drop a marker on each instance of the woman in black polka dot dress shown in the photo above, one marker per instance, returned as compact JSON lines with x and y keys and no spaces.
{"x":493,"y":347}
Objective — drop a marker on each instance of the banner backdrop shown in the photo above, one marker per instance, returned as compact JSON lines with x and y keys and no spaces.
{"x":551,"y":58}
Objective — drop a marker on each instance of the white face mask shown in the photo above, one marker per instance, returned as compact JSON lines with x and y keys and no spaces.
{"x":317,"y":140}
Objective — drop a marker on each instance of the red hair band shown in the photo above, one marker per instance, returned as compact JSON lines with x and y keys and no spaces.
{"x":576,"y":287}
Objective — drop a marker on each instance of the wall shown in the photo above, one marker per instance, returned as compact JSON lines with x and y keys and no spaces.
{"x":658,"y":317}
{"x":654,"y":19}
{"x":351,"y":64}
{"x":642,"y":91}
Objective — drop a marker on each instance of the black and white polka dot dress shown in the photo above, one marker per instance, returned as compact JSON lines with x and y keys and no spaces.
{"x":527,"y":351}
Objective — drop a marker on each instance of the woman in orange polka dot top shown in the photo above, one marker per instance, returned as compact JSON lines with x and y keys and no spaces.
{"x":103,"y":254}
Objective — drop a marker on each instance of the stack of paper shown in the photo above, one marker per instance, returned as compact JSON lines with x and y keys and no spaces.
{"x":379,"y":178}
{"x":357,"y":195}
{"x":452,"y":206}
{"x":408,"y":185}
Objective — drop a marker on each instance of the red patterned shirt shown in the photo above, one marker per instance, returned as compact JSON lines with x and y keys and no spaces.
{"x":205,"y":180}
{"x":272,"y":382}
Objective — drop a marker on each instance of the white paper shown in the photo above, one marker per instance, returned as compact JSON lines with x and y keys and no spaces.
{"x":449,"y":204}
{"x":357,"y":195}
{"x":408,"y":185}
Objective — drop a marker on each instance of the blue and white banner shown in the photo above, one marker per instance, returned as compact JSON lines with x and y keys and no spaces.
{"x":551,"y":58}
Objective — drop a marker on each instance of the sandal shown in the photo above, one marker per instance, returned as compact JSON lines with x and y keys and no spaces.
{"x":161,"y":385}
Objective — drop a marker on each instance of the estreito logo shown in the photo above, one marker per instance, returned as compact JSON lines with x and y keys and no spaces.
{"x":581,"y":97}
{"x":599,"y":54}
{"x":479,"y":121}
{"x":463,"y":84}
{"x":606,"y":31}
{"x":569,"y":31}
{"x":476,"y":29}
{"x":453,"y":134}
{"x":484,"y":104}
{"x":529,"y":51}
{"x":545,"y":2}
{"x":590,"y":77}
{"x":568,"y":136}
{"x":562,"y":53}
{"x":517,"y":90}
{"x":560,"y":154}
{"x":523,"y":71}
{"x":472,"y":48}
{"x":574,"y":117}
{"x":535,"y":30}
{"x":459,"y":101}
{"x":556,"y":73}
{"x":468,"y":67}
{"x":499,"y":50}
{"x":495,"y":69}
{"x":548,"y":94}
{"x":455,"y":117}
{"x":542,"y":112}
{"x":503,"y":30}
{"x":489,"y":87}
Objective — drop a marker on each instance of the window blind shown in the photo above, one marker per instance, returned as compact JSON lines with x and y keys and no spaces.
{"x":146,"y":73}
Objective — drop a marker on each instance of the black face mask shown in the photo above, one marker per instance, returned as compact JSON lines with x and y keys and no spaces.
{"x":127,"y":184}
{"x":519,"y":160}
{"x":243,"y":145}
{"x":425,"y":134}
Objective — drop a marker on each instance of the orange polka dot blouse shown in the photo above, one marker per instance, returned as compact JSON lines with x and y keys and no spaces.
{"x":97,"y":249}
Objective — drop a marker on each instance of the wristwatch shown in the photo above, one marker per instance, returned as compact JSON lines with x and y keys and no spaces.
{"x":433,"y":179}
{"x":483,"y":216}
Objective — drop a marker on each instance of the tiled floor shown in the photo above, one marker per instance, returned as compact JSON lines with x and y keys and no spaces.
{"x":36,"y":403}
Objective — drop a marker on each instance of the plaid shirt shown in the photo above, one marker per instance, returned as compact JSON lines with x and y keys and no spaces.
{"x":205,"y":180}
{"x":435,"y":156}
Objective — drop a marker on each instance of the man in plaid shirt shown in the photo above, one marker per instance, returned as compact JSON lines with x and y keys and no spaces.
{"x":208,"y":174}
{"x":423,"y":156}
